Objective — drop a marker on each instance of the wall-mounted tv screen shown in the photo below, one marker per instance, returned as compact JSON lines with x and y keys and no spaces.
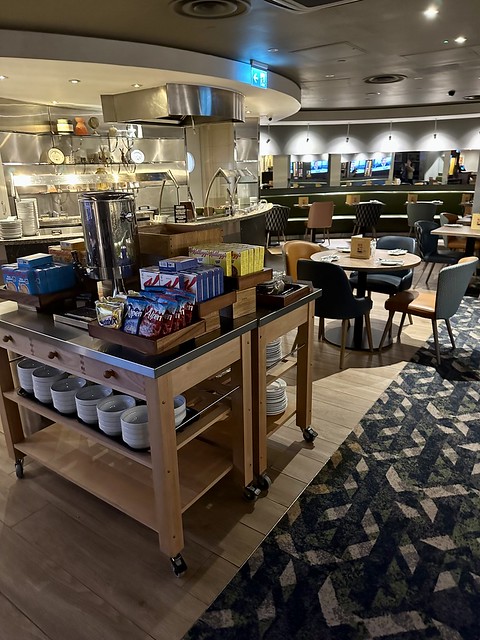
{"x":381,"y":164}
{"x":357,"y":167}
{"x":319,"y":166}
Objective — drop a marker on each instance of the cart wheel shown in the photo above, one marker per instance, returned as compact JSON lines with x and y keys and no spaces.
{"x":178,"y":564}
{"x":251,"y":493}
{"x":309,"y":434}
{"x":19,"y":468}
{"x":264,"y":482}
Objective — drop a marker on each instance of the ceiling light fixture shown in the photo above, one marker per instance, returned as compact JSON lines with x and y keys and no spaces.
{"x":431,"y":12}
{"x":74,"y":81}
{"x":210,"y":9}
{"x":460,"y":39}
{"x":347,"y":137}
{"x":330,"y":75}
{"x":268,"y":134}
{"x":435,"y":130}
{"x":445,"y":42}
{"x":308,"y":132}
{"x":54,"y":102}
{"x":390,"y":131}
{"x":273,"y":50}
{"x":135,"y":85}
{"x":3,"y":77}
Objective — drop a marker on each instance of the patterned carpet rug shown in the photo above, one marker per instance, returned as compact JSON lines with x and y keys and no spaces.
{"x":385,"y":542}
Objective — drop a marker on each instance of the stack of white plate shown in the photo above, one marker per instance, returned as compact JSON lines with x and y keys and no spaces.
{"x":134,"y":423}
{"x":25,"y":368}
{"x":43,"y":378}
{"x":274,"y":352}
{"x":63,"y":393}
{"x":109,"y":412}
{"x":180,"y":409}
{"x":276,"y":397}
{"x":27,"y":213}
{"x":86,"y":400}
{"x":11,"y":228}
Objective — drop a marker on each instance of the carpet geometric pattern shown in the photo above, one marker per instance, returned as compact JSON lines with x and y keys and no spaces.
{"x":385,"y":542}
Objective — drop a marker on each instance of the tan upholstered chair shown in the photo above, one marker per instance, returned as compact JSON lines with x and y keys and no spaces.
{"x":294,"y":250}
{"x":320,"y":216}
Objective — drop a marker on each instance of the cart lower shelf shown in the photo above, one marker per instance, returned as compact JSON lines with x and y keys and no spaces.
{"x":119,"y":481}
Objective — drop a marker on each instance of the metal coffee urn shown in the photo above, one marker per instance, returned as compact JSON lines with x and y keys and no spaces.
{"x":111,"y":235}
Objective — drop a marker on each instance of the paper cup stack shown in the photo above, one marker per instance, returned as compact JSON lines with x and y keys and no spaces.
{"x":43,"y":378}
{"x":276,"y":397}
{"x":25,"y":368}
{"x":27,"y":213}
{"x":109,"y":413}
{"x":134,"y":425}
{"x":63,"y":393}
{"x":274,"y":352}
{"x":86,"y":400}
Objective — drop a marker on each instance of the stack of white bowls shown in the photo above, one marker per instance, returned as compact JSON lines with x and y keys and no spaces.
{"x":27,"y":213}
{"x":86,"y":400}
{"x":63,"y":393}
{"x":109,"y":412}
{"x":43,"y":377}
{"x":180,"y":409}
{"x":276,"y":397}
{"x":134,"y":425}
{"x":25,"y":368}
{"x":11,"y":228}
{"x":274,"y":352}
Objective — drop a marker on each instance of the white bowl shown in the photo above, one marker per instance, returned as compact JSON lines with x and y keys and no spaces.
{"x":136,"y":416}
{"x":109,"y":411}
{"x":180,"y":417}
{"x":86,"y":400}
{"x":63,"y":393}
{"x":134,"y":423}
{"x":43,"y":378}
{"x":179,"y":405}
{"x":25,"y":368}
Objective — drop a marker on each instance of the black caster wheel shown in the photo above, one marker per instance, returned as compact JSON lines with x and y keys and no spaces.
{"x":178,"y":564}
{"x":251,"y":493}
{"x":309,"y":434}
{"x":264,"y":482}
{"x":19,"y":468}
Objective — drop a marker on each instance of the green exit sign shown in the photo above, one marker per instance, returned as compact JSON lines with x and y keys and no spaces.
{"x":259,"y":77}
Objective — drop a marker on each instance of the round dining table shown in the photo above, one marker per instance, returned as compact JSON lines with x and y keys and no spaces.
{"x":381,"y":261}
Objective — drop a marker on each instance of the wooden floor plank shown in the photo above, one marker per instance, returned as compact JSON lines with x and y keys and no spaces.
{"x":17,"y":501}
{"x":15,"y":625}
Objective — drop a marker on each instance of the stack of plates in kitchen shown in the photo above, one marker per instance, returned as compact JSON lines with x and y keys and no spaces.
{"x":27,"y":214}
{"x":276,"y":397}
{"x":11,"y":228}
{"x":274,"y":352}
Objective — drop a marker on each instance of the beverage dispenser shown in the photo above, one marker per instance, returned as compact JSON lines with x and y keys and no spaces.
{"x":111,"y":235}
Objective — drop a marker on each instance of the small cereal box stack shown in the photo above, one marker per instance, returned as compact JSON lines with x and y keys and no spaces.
{"x":236,"y":259}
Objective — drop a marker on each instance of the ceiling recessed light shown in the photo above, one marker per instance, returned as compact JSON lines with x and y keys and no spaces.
{"x":460,"y":39}
{"x":445,"y":42}
{"x":248,"y":111}
{"x":135,"y":85}
{"x":431,"y":12}
{"x":419,"y":78}
{"x":273,"y":50}
{"x":54,"y":102}
{"x":472,"y":97}
{"x":330,"y":75}
{"x":74,"y":81}
{"x":3,"y":77}
{"x":341,"y":60}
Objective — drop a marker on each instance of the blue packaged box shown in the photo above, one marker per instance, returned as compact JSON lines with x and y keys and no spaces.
{"x":57,"y":277}
{"x":25,"y":280}
{"x":35,"y":261}
{"x":178,"y":263}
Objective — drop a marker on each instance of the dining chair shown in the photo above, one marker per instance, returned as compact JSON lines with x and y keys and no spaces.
{"x":441,"y":304}
{"x":294,"y":250}
{"x":419,"y":211}
{"x":427,"y":245}
{"x":320,"y":216}
{"x":367,"y":215}
{"x":337,"y":301}
{"x":276,"y":221}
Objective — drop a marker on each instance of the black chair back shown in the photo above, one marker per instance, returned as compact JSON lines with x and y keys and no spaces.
{"x":426,"y":243}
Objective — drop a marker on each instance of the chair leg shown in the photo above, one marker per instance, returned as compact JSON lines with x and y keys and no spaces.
{"x":450,"y":332}
{"x":430,"y":273}
{"x":321,"y":328}
{"x":435,"y":338}
{"x":387,"y":329}
{"x":328,"y":236}
{"x":368,"y":327}
{"x":311,"y":235}
{"x":410,"y":318}
{"x":344,"y":341}
{"x":402,"y":322}
{"x":374,"y":233}
{"x":268,"y":239}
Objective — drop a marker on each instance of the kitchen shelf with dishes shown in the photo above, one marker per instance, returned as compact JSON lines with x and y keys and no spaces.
{"x":155,"y":485}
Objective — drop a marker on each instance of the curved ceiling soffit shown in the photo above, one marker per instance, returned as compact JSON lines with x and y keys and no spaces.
{"x":227,"y":73}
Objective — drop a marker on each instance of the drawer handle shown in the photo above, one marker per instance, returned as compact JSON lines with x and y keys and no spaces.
{"x":7,"y":339}
{"x":52,"y":354}
{"x":109,"y":373}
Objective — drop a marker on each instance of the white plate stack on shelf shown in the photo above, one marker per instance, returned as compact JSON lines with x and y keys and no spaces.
{"x":274,"y":352}
{"x":43,"y":377}
{"x":27,"y":213}
{"x":86,"y":400}
{"x":109,"y":412}
{"x":134,"y":423}
{"x":277,"y":397}
{"x":25,"y":368}
{"x":11,"y":228}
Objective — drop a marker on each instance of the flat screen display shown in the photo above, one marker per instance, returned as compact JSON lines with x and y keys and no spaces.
{"x":319,"y":166}
{"x":381,"y":164}
{"x":357,"y":167}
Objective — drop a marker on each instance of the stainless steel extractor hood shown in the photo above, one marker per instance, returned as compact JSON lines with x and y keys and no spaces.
{"x":178,"y":104}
